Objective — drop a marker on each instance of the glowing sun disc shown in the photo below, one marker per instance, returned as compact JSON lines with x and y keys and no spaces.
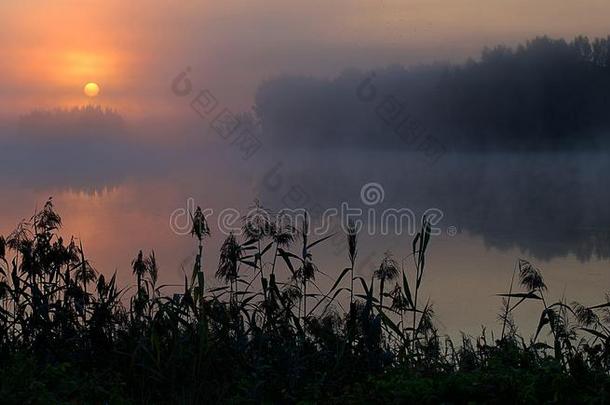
{"x":91,"y":89}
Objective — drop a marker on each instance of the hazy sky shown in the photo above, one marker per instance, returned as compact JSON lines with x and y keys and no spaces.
{"x":50,"y":49}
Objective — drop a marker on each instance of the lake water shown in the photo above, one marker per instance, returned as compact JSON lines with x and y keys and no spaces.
{"x":551,"y":209}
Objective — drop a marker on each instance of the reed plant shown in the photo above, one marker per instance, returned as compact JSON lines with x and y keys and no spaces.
{"x":69,"y":333}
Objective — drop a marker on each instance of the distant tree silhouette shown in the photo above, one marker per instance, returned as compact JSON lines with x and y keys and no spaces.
{"x":545,"y":94}
{"x":71,"y":122}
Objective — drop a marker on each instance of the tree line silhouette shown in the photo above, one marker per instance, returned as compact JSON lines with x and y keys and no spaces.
{"x":546,"y":94}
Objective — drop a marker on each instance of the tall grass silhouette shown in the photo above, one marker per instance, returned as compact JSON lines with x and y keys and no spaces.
{"x":68,"y":333}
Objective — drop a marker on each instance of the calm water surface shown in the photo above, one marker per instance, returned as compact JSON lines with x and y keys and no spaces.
{"x":551,"y":209}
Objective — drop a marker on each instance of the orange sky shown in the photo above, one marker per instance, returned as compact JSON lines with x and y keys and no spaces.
{"x":133,"y":49}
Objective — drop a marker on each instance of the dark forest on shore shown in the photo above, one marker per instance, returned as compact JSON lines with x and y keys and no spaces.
{"x":548,"y":94}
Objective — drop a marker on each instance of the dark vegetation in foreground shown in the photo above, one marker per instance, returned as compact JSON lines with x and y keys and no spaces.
{"x":70,"y":334}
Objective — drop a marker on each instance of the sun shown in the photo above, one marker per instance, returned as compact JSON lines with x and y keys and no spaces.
{"x":91,"y":89}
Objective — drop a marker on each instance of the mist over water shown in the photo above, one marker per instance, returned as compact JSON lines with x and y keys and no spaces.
{"x":548,"y":205}
{"x":497,"y":207}
{"x":545,"y":207}
{"x":502,"y":179}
